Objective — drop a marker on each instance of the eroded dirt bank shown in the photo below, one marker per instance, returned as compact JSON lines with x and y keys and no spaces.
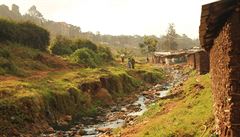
{"x":57,"y":102}
{"x":125,"y":111}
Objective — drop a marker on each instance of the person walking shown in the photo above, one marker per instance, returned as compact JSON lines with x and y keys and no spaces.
{"x":147,"y":60}
{"x":129,"y":63}
{"x":122,"y":57}
{"x":133,"y":63}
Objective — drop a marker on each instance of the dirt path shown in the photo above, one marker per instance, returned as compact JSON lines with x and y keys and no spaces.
{"x":33,"y":75}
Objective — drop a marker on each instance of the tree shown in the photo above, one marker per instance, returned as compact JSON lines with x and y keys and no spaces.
{"x":149,"y":45}
{"x":171,"y":35}
{"x":126,"y":52}
{"x":34,"y":12}
{"x":61,"y":46}
{"x":15,"y":9}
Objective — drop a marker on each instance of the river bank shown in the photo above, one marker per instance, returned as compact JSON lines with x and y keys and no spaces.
{"x":185,"y":112}
{"x":125,"y":112}
{"x":58,"y":99}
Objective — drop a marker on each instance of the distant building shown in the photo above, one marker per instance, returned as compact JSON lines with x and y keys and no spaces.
{"x":199,"y":60}
{"x":220,"y":36}
{"x":169,"y":57}
{"x":196,"y":58}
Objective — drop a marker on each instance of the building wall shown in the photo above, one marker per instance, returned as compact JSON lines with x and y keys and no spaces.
{"x":191,"y":61}
{"x":202,"y":62}
{"x":225,"y":74}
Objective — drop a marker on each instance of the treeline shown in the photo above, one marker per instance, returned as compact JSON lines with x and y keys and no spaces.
{"x":24,"y":33}
{"x":33,"y":15}
{"x":81,"y":51}
{"x":78,"y":50}
{"x":71,"y":31}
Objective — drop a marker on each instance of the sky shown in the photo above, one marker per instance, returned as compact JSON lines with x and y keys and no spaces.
{"x":121,"y":17}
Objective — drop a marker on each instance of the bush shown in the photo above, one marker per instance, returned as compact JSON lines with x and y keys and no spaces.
{"x":83,"y":43}
{"x":8,"y":67}
{"x":85,"y":56}
{"x":105,"y":53}
{"x":61,"y":46}
{"x":4,"y":53}
{"x":25,"y":33}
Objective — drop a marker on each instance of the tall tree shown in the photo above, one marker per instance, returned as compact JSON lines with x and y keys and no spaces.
{"x":171,"y":36}
{"x":149,"y":45}
{"x":34,"y":12}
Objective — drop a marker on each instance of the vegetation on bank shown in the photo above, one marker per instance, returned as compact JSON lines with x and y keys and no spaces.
{"x":81,"y":51}
{"x":25,"y":33}
{"x":43,"y":99}
{"x":25,"y":49}
{"x":188,"y":113}
{"x":19,"y":60}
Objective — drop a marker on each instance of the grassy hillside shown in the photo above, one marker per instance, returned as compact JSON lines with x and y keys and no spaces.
{"x":19,"y":60}
{"x":188,"y":113}
{"x":39,"y":90}
{"x":44,"y":98}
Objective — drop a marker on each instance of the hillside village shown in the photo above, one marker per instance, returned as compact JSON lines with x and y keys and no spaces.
{"x":56,"y":81}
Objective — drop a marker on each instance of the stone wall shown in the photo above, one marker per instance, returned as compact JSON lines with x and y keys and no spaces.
{"x":225,"y":73}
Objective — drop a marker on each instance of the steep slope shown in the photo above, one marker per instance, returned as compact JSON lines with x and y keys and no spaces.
{"x":186,"y":112}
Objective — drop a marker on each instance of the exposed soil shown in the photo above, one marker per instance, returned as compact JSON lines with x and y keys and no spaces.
{"x":124,"y":112}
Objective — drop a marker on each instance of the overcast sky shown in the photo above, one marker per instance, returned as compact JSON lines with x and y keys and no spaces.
{"x":116,"y":17}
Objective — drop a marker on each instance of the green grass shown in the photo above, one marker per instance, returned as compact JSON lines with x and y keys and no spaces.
{"x":34,"y":83}
{"x":18,"y":60}
{"x":51,"y":91}
{"x":188,"y":114}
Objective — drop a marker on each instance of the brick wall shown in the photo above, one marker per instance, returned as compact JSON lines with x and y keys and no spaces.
{"x":225,"y":73}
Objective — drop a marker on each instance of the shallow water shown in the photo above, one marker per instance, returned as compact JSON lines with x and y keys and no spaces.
{"x":93,"y":130}
{"x":143,"y":108}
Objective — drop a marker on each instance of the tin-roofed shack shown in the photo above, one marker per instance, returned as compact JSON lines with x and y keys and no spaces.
{"x":220,"y":35}
{"x":169,"y":57}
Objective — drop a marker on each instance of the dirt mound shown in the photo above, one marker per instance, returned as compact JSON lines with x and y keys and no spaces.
{"x":51,"y":60}
{"x":105,"y":97}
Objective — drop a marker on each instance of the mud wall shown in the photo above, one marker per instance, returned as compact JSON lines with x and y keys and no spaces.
{"x":225,"y":73}
{"x":191,"y":61}
{"x":202,"y":62}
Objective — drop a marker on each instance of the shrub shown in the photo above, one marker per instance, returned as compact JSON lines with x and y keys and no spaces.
{"x":85,"y":56}
{"x":83,"y":43}
{"x":64,"y":46}
{"x":25,"y":33}
{"x":33,"y":36}
{"x":4,"y":53}
{"x":105,"y":53}
{"x":9,"y":67}
{"x":61,"y":46}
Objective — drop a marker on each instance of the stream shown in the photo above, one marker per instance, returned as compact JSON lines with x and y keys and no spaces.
{"x":121,"y":115}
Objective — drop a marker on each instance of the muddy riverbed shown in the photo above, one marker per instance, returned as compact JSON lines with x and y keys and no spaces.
{"x":122,"y":114}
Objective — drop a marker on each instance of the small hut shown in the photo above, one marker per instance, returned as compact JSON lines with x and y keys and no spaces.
{"x":169,"y":57}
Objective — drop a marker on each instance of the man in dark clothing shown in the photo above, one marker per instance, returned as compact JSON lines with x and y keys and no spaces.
{"x":133,"y":63}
